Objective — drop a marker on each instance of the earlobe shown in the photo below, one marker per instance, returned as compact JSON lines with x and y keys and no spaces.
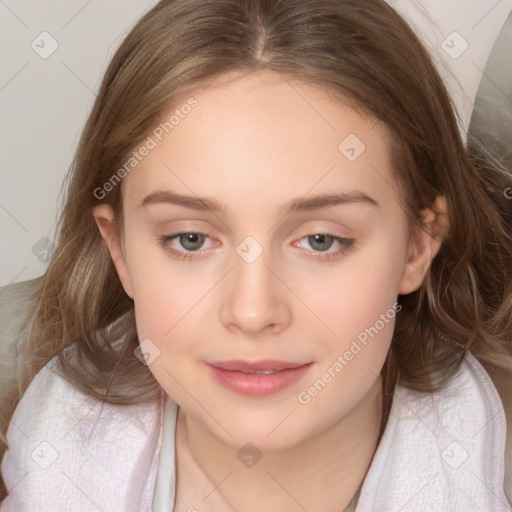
{"x":424,"y":246}
{"x":105,"y":220}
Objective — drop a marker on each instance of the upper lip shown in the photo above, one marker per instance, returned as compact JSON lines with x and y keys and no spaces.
{"x":248,"y":366}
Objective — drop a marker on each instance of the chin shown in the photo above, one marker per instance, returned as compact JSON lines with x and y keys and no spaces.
{"x":269,"y":431}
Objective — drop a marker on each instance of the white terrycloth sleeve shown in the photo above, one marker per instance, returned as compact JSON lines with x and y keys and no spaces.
{"x":69,"y":452}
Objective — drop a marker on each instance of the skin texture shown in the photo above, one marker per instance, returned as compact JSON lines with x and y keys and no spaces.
{"x":253,"y":143}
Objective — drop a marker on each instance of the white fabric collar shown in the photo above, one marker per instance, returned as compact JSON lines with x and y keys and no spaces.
{"x":443,"y":451}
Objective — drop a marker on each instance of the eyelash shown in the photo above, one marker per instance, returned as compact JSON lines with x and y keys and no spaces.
{"x":346,"y":244}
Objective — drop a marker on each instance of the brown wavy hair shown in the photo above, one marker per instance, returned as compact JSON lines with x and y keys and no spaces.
{"x":368,"y":57}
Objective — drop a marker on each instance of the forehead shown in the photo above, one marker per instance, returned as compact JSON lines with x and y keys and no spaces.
{"x":260,"y":136}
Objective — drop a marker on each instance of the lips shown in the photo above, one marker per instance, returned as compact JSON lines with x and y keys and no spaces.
{"x":258,"y":378}
{"x":256,"y":366}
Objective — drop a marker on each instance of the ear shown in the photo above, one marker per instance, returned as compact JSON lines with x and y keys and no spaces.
{"x":105,"y":219}
{"x":424,"y":245}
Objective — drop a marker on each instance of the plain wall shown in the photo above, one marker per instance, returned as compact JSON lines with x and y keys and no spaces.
{"x":44,"y":103}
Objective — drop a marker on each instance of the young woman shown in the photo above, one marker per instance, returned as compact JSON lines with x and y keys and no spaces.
{"x":281,"y":282}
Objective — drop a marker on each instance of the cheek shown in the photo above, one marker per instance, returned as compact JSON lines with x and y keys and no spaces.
{"x":360,"y":325}
{"x":165,"y":302}
{"x":350,"y":296}
{"x":357,"y":303}
{"x":165,"y":290}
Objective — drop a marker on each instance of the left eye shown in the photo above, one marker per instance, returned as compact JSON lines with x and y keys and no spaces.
{"x":192,"y":242}
{"x":322,"y":242}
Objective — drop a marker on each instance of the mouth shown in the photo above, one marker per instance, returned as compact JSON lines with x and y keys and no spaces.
{"x":257,"y":378}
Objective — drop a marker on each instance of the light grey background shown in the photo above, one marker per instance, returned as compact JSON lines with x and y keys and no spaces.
{"x":44,"y":104}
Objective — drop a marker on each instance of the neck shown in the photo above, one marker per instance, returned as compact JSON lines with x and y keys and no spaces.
{"x":323,"y":472}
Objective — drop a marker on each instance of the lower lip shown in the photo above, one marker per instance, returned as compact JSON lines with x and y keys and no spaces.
{"x":259,"y":384}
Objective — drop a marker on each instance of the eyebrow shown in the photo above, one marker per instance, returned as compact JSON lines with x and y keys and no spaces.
{"x":295,"y":205}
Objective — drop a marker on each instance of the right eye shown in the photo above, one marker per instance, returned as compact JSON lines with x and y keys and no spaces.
{"x":190,"y":241}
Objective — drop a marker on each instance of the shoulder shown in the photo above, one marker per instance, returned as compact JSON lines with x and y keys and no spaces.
{"x":469,"y":396}
{"x":69,"y":449}
{"x":442,"y":450}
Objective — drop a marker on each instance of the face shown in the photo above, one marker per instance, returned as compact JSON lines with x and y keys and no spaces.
{"x":268,"y":270}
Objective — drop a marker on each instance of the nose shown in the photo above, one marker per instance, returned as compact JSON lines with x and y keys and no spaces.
{"x":253,"y":299}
